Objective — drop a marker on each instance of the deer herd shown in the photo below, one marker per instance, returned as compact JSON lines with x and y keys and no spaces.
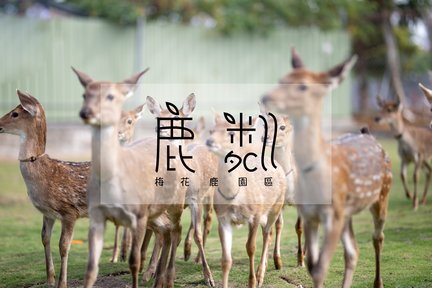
{"x":327,"y":182}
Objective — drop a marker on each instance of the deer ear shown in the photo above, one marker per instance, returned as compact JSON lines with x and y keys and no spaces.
{"x":29,"y":103}
{"x":263,"y":109}
{"x":189,"y":105}
{"x":427,"y":92}
{"x":135,"y":78}
{"x":200,"y":127}
{"x":296,"y":62}
{"x":139,"y":111}
{"x":82,"y":77}
{"x":380,"y":101}
{"x":338,"y":73}
{"x":153,"y":106}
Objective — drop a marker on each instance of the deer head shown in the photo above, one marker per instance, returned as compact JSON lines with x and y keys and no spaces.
{"x":128,"y":123}
{"x":301,"y":91}
{"x":103,"y":100}
{"x":390,"y":111}
{"x":283,"y":126}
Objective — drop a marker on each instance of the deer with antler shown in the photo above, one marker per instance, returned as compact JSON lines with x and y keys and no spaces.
{"x":412,"y":145}
{"x":255,"y":203}
{"x":336,"y":179}
{"x":122,"y":182}
{"x":199,"y":194}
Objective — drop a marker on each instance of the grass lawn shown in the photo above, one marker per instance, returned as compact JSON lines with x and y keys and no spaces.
{"x":406,"y":258}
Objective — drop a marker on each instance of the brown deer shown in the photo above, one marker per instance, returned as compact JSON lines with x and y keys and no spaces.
{"x":56,"y":188}
{"x":255,"y":204}
{"x":413,"y":145}
{"x":199,"y":194}
{"x":122,"y":183}
{"x":126,"y":131}
{"x":336,"y":179}
{"x":428,"y":95}
{"x":284,"y":156}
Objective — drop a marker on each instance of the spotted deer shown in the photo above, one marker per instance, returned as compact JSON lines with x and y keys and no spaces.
{"x":122,"y":183}
{"x":284,"y":156}
{"x":199,"y":193}
{"x":336,"y":179}
{"x":255,"y":204}
{"x":428,"y":95}
{"x":56,"y":188}
{"x":413,"y":145}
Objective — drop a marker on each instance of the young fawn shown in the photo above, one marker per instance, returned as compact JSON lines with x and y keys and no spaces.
{"x":122,"y":182}
{"x":336,"y":179}
{"x":255,"y":204}
{"x":284,"y":156}
{"x":428,"y":95}
{"x":413,"y":145}
{"x":56,"y":188}
{"x":199,"y":193}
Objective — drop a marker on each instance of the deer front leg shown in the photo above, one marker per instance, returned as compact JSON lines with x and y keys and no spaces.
{"x":225,"y":236}
{"x":115,"y":255}
{"x":47,"y":227}
{"x":250,"y":248}
{"x":311,"y":243}
{"x":154,"y":259}
{"x":160,"y":276}
{"x":146,"y":242}
{"x":403,"y":174}
{"x":135,"y":255}
{"x":277,"y":259}
{"x":175,"y":241}
{"x":208,"y":211}
{"x":415,"y":179}
{"x":333,"y":225}
{"x":188,"y":242}
{"x":427,"y":181}
{"x":350,"y":253}
{"x":266,"y":233}
{"x":126,"y":243}
{"x":300,"y":251}
{"x":96,"y":234}
{"x":196,"y":220}
{"x":64,"y":246}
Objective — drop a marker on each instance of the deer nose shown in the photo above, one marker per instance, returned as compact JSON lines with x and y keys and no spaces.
{"x":265,"y":99}
{"x":85,"y":113}
{"x":1,"y":130}
{"x":210,"y":142}
{"x":377,"y":119}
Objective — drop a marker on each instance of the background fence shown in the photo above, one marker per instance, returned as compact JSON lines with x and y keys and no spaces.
{"x":37,"y":55}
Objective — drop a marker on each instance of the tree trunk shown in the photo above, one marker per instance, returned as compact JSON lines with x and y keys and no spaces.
{"x":427,"y":19}
{"x":393,"y":60}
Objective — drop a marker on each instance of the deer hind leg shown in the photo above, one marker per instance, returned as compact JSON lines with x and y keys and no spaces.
{"x":300,"y":250}
{"x":135,"y":254}
{"x":277,"y":259}
{"x":350,"y":252}
{"x":225,"y":236}
{"x":160,"y":275}
{"x":96,"y":234}
{"x":403,"y":174}
{"x":175,"y":240}
{"x":208,"y":211}
{"x":250,"y":248}
{"x":64,"y":246}
{"x":126,"y":243}
{"x":427,"y":181}
{"x":196,"y":220}
{"x":332,"y":231}
{"x":146,"y":242}
{"x":115,"y":255}
{"x":188,"y":242}
{"x":154,"y":259}
{"x":46,"y":232}
{"x":379,"y":214}
{"x":417,"y":167}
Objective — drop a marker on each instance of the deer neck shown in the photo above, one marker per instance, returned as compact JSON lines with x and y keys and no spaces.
{"x":33,"y":142}
{"x":308,"y":143}
{"x":105,"y":152}
{"x":283,"y":154}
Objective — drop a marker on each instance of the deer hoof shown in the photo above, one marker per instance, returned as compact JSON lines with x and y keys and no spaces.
{"x":378,"y":283}
{"x":147,"y":276}
{"x":187,"y":251}
{"x":277,"y":262}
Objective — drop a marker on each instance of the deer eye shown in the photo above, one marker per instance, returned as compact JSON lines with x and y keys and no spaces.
{"x":14,"y":115}
{"x":302,"y":87}
{"x":110,"y":97}
{"x":129,"y":121}
{"x":282,"y":127}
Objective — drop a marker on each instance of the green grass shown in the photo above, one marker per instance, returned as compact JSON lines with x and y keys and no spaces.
{"x":406,"y":258}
